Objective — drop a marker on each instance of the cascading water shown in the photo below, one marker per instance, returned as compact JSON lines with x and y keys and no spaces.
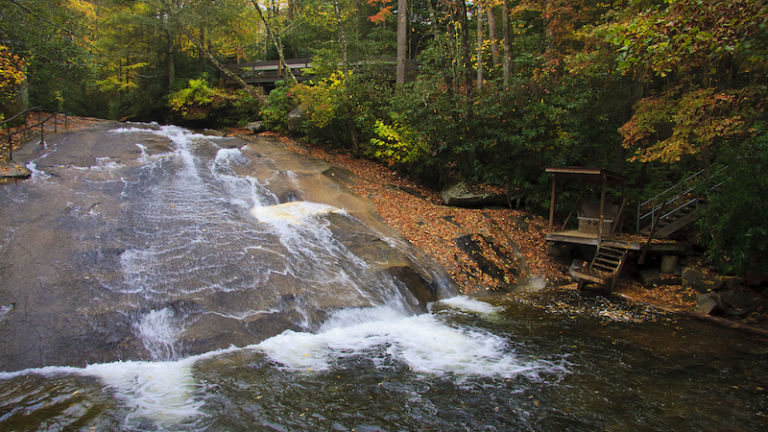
{"x":153,"y":252}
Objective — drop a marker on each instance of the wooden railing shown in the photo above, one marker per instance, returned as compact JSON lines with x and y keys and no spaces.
{"x":23,"y":133}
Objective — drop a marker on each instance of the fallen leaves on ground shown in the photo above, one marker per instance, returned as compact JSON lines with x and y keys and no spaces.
{"x":669,"y":296}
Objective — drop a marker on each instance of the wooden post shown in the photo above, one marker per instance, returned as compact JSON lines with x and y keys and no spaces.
{"x":552,"y":203}
{"x":55,"y":122}
{"x":641,"y":260}
{"x":602,"y":210}
{"x":10,"y":145}
{"x":568,"y":218}
{"x":42,"y":133}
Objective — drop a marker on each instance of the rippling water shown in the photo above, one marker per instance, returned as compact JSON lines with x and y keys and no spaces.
{"x":158,"y":279}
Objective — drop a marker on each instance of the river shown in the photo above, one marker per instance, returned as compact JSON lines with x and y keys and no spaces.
{"x":153,"y":278}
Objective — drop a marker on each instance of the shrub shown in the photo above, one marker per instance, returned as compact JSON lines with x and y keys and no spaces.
{"x":399,"y":147}
{"x":192,"y":102}
{"x":279,"y":104}
{"x":735,"y":222}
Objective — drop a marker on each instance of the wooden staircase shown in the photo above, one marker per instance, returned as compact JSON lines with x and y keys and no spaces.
{"x":604,"y":269}
{"x":675,"y":208}
{"x":675,"y":220}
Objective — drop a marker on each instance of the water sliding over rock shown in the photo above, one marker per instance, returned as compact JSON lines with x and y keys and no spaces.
{"x":148,"y":242}
{"x":140,"y":251}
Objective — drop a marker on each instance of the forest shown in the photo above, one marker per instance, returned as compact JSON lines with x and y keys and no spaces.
{"x":489,"y":91}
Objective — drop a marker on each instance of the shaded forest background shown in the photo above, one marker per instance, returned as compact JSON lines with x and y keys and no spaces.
{"x":653,"y":89}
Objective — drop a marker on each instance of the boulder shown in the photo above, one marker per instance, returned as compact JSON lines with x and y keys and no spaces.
{"x":255,"y":127}
{"x":668,"y":264}
{"x":700,"y":281}
{"x":13,"y":170}
{"x":708,"y":303}
{"x":738,"y":302}
{"x":473,"y":196}
{"x":294,"y":119}
{"x":650,"y":277}
{"x":424,"y":290}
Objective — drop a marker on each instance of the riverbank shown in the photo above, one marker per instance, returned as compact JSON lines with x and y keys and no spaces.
{"x":494,"y":250}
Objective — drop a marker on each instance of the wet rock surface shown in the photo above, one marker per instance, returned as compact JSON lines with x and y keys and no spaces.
{"x":136,"y":242}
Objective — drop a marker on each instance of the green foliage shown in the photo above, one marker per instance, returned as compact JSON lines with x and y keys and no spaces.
{"x":341,"y":106}
{"x":683,"y":36}
{"x":196,"y":95}
{"x":322,"y":100}
{"x":735,"y":222}
{"x":279,"y":104}
{"x":399,"y":147}
{"x":222,"y":106}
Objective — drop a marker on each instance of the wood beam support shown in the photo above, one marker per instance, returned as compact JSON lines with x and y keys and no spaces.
{"x":552,"y":204}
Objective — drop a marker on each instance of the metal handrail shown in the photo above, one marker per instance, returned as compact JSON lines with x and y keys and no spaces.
{"x":681,"y":189}
{"x":40,"y":123}
{"x":672,"y":199}
{"x":679,"y":208}
{"x":8,"y":120}
{"x":671,"y":188}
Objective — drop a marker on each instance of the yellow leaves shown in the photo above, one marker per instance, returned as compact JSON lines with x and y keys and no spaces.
{"x":12,"y":71}
{"x":84,"y":7}
{"x":669,"y":127}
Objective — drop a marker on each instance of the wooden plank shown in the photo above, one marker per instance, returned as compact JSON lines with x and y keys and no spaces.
{"x":592,"y":278}
{"x":602,"y":208}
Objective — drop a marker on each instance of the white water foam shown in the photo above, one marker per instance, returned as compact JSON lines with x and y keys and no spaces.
{"x":423,"y":342}
{"x":228,"y":156}
{"x":36,"y":173}
{"x":161,"y":392}
{"x":292,"y":213}
{"x":167,"y":393}
{"x":468,"y":304}
{"x":159,"y":330}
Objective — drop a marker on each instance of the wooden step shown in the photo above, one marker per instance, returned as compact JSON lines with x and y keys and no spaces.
{"x":606,"y":262}
{"x":603,"y":267}
{"x":611,"y":253}
{"x":675,"y":226}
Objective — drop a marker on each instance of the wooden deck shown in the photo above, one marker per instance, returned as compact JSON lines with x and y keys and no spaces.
{"x":630,"y":242}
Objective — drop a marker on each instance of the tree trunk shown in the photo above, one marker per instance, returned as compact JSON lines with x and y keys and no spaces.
{"x":169,"y":60}
{"x":471,"y":155}
{"x":342,"y":36}
{"x":507,"y":44}
{"x":402,"y":11}
{"x":492,"y":35}
{"x":479,"y":48}
{"x":275,"y":42}
{"x":345,"y":65}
